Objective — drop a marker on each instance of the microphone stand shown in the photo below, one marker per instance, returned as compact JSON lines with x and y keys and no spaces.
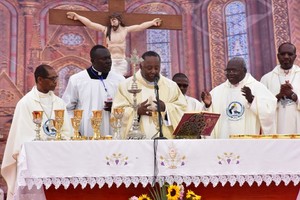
{"x":161,"y":136}
{"x":156,"y":89}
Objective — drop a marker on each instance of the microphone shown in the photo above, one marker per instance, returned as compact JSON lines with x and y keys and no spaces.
{"x":161,"y":136}
{"x":156,"y":78}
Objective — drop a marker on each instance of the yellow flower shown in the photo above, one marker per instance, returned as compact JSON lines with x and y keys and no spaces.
{"x":144,"y":197}
{"x":191,"y":195}
{"x":173,"y":192}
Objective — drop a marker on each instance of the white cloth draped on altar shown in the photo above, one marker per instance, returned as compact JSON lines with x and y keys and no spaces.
{"x":235,"y":161}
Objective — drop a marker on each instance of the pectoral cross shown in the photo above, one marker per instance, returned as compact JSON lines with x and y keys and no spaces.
{"x":285,"y":101}
{"x":59,"y":17}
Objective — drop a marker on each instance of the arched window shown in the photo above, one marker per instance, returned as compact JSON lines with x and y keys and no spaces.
{"x":159,"y":41}
{"x":236,"y":30}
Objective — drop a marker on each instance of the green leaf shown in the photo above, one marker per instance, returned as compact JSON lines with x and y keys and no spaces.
{"x":158,"y":193}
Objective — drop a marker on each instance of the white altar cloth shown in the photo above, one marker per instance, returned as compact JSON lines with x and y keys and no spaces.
{"x":62,"y":163}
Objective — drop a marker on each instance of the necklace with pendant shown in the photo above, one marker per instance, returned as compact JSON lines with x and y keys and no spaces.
{"x":48,"y":126}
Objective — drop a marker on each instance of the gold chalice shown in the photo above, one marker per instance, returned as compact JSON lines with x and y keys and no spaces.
{"x":37,"y":119}
{"x":78,"y":114}
{"x":75,"y":121}
{"x":58,"y":123}
{"x":96,"y":121}
{"x":76,"y":124}
{"x":113,"y":124}
{"x":118,"y":114}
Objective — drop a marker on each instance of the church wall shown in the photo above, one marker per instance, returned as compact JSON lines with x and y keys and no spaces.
{"x":27,"y":40}
{"x":294,"y":23}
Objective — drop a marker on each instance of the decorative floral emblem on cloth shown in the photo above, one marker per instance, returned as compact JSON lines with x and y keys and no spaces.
{"x":235,"y":110}
{"x":229,"y":159}
{"x":117,"y":159}
{"x":173,"y":159}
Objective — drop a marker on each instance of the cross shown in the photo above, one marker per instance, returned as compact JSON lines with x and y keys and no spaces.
{"x":134,"y":60}
{"x":59,"y":17}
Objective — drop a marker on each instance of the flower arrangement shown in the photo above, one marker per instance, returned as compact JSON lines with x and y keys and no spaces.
{"x":168,"y":192}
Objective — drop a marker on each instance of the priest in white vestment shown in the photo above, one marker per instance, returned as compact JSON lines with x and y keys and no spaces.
{"x":246,"y":105}
{"x":284,"y":82}
{"x":172,"y":101}
{"x":193,"y":105}
{"x":89,"y":89}
{"x":40,"y":98}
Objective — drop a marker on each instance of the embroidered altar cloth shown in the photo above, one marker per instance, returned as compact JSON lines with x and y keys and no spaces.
{"x":131,"y":162}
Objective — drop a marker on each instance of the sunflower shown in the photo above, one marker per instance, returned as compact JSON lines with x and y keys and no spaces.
{"x":191,"y":195}
{"x":144,"y":197}
{"x":173,"y":192}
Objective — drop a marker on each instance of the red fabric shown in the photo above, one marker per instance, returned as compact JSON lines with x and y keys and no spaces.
{"x":227,"y":192}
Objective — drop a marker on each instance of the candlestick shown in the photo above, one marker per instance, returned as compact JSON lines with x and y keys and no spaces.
{"x":135,"y":132}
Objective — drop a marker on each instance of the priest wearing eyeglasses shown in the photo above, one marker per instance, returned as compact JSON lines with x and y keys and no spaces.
{"x":40,"y":98}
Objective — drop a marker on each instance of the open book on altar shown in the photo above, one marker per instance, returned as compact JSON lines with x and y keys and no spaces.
{"x":193,"y":125}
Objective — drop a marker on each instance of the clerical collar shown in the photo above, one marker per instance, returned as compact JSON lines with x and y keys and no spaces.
{"x":94,"y":74}
{"x":99,"y":73}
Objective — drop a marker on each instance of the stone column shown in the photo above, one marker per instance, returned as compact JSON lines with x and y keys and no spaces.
{"x":29,"y":9}
{"x":190,"y":68}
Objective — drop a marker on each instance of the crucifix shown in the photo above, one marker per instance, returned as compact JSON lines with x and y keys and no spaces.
{"x":58,"y":17}
{"x":115,"y":31}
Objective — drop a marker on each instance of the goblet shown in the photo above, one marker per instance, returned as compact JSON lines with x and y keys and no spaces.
{"x":113,"y":124}
{"x":37,"y":119}
{"x":58,"y":123}
{"x":75,"y":121}
{"x":76,"y":124}
{"x":118,"y":114}
{"x":96,"y":121}
{"x":78,"y":114}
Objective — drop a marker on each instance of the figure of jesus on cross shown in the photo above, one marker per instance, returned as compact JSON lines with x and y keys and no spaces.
{"x":115,"y":34}
{"x":115,"y":31}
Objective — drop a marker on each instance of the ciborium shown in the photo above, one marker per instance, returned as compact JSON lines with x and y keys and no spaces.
{"x":118,"y":115}
{"x":37,"y":119}
{"x":96,"y":121}
{"x":76,"y":124}
{"x":58,"y":123}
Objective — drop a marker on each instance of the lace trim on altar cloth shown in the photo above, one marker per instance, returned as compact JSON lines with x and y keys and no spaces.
{"x":188,"y":180}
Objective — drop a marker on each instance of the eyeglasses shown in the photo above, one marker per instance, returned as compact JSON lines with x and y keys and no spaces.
{"x":183,"y":85}
{"x":231,"y":71}
{"x":53,"y":78}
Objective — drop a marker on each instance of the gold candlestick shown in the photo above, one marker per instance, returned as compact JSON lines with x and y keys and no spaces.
{"x":76,"y":124}
{"x":37,"y":119}
{"x":96,"y":121}
{"x":58,"y":123}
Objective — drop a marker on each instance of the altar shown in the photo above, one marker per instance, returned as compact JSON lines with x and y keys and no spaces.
{"x":119,"y":169}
